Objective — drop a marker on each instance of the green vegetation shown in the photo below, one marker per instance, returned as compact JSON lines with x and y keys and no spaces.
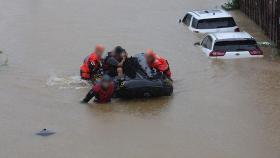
{"x":231,"y":5}
{"x":266,"y":44}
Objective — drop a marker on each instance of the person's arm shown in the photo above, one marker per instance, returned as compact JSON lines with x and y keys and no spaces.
{"x":93,"y":71}
{"x":91,"y":66}
{"x":121,"y":63}
{"x":124,"y":57}
{"x":113,"y":62}
{"x":89,"y":96}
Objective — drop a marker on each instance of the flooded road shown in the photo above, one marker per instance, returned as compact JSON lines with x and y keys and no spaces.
{"x":220,"y":109}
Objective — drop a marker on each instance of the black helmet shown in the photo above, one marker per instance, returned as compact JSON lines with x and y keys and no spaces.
{"x":119,"y":50}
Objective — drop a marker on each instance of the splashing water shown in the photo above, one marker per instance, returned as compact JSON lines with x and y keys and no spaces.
{"x":71,"y":82}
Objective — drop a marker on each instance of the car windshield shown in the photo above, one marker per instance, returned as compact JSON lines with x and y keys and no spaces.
{"x":240,"y":45}
{"x":216,"y":23}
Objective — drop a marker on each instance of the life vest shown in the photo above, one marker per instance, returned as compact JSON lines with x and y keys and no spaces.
{"x":161,"y":65}
{"x":85,"y":68}
{"x":102,"y":96}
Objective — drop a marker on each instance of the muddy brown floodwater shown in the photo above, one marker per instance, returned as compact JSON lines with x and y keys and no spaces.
{"x":220,"y":109}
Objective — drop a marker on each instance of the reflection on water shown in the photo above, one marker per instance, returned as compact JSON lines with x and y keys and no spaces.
{"x":138,"y":107}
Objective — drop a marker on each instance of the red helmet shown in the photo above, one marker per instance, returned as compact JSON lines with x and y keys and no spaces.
{"x":151,"y":53}
{"x":100,"y":48}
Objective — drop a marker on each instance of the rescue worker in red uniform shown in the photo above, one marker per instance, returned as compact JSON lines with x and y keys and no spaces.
{"x":103,"y":91}
{"x":92,"y":63}
{"x":158,"y":63}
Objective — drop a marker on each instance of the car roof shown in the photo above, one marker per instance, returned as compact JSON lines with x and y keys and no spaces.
{"x":210,"y":14}
{"x":225,"y":36}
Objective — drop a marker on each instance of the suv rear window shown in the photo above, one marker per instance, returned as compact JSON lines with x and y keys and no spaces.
{"x":215,"y":23}
{"x":231,"y":46}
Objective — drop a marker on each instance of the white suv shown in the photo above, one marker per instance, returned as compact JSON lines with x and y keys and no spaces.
{"x":209,"y":21}
{"x":230,"y":45}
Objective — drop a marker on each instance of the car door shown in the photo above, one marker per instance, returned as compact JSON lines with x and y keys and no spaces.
{"x":207,"y":44}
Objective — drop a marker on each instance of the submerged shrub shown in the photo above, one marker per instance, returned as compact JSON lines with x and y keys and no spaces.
{"x":231,"y":5}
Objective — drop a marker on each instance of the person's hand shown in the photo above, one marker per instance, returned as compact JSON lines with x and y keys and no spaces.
{"x":124,"y":55}
{"x":123,"y":59}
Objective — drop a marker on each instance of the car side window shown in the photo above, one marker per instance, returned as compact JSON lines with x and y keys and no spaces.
{"x":204,"y":42}
{"x":209,"y":42}
{"x":187,"y":19}
{"x":194,"y":23}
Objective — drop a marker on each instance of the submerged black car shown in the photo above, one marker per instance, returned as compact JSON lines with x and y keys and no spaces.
{"x":141,"y":81}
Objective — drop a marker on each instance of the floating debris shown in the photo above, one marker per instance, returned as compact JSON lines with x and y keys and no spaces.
{"x":231,"y":5}
{"x":45,"y":132}
{"x":266,"y":44}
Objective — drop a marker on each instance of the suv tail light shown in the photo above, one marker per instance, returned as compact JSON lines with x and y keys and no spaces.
{"x":237,"y":30}
{"x":256,"y":51}
{"x":217,"y":53}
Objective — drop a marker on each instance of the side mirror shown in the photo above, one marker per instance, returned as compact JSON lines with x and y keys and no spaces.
{"x":180,"y":20}
{"x":197,"y":44}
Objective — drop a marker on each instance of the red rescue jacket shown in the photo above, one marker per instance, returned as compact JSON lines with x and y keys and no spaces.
{"x":161,"y":65}
{"x":91,"y":62}
{"x":102,"y":96}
